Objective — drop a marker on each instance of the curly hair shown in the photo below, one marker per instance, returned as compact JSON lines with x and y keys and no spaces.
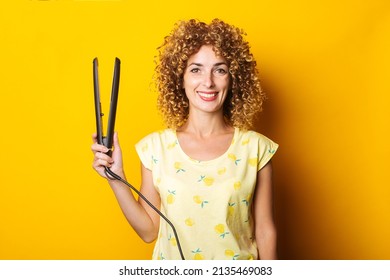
{"x":245,"y":98}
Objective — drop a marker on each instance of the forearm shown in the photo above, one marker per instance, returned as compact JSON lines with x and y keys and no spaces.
{"x":134,"y":212}
{"x":267,"y":243}
{"x":265,"y":230}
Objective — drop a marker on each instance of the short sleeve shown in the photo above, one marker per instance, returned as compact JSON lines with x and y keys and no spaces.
{"x":267,"y":148}
{"x":144,"y":151}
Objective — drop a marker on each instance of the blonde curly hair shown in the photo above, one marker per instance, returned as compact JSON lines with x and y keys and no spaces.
{"x":245,"y":97}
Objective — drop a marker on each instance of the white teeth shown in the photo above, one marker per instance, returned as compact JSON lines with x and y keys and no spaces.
{"x":207,"y":95}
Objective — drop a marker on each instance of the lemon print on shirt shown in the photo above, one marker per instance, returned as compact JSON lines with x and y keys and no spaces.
{"x":220,"y":229}
{"x":231,"y":254}
{"x":171,"y":197}
{"x":172,"y":240}
{"x":172,"y":145}
{"x":221,"y":171}
{"x":198,"y":254}
{"x":231,"y":209}
{"x":234,"y":158}
{"x":237,"y":185}
{"x":199,"y":200}
{"x":161,"y":257}
{"x":252,"y":162}
{"x":189,"y":222}
{"x":145,"y":147}
{"x":208,"y":181}
{"x":245,"y":142}
{"x":178,"y":166}
{"x":247,"y":199}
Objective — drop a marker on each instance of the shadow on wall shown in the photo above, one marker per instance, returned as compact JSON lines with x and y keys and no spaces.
{"x":295,"y":215}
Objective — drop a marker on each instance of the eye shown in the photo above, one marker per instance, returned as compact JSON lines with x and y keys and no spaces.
{"x":221,"y":71}
{"x":195,"y":70}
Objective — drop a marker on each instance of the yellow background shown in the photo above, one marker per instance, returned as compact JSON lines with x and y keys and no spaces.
{"x":324,"y":64}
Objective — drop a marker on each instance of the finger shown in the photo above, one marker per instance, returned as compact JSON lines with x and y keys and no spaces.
{"x":105,"y":157}
{"x":102,"y":162}
{"x":100,"y":170}
{"x":116,"y":141}
{"x":99,"y":148}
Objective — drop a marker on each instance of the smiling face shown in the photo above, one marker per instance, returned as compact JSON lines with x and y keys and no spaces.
{"x":206,"y":81}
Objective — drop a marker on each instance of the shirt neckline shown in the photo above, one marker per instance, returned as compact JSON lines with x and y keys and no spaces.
{"x":211,"y":161}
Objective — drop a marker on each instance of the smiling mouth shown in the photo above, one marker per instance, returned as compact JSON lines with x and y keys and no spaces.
{"x":208,"y":96}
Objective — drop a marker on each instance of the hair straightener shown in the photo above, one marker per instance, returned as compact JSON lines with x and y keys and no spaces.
{"x":107,"y":140}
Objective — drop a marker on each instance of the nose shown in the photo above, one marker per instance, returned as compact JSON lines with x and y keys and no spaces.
{"x":208,"y":79}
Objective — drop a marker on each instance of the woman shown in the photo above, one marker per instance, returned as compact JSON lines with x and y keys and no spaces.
{"x":206,"y":172}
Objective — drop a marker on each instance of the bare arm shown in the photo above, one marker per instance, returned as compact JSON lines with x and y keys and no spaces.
{"x":265,"y":231}
{"x":140,"y":216}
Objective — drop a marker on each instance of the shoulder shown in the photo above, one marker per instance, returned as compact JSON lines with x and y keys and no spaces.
{"x":251,"y":136}
{"x":152,"y":146}
{"x":157,"y":138}
{"x":258,"y":144}
{"x":255,"y":141}
{"x":158,"y":135}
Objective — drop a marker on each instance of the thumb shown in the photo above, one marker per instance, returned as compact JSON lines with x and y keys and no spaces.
{"x":116,"y":140}
{"x":117,"y":147}
{"x":117,"y":152}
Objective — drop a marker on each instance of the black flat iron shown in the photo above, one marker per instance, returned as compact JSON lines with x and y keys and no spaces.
{"x":108,"y":139}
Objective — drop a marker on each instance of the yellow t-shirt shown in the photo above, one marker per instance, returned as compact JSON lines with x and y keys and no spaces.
{"x":208,"y":202}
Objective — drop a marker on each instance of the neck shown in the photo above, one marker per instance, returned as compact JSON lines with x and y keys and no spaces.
{"x":205,"y":124}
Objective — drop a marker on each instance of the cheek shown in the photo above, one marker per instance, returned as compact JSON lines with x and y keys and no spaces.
{"x":190,"y":83}
{"x":225,"y":83}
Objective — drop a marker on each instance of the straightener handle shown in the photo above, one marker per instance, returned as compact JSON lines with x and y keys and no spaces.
{"x":105,"y":141}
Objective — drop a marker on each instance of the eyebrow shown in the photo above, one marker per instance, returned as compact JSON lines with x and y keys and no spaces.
{"x":200,"y":64}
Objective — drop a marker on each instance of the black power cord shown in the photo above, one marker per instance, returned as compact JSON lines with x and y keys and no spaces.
{"x":115,"y":176}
